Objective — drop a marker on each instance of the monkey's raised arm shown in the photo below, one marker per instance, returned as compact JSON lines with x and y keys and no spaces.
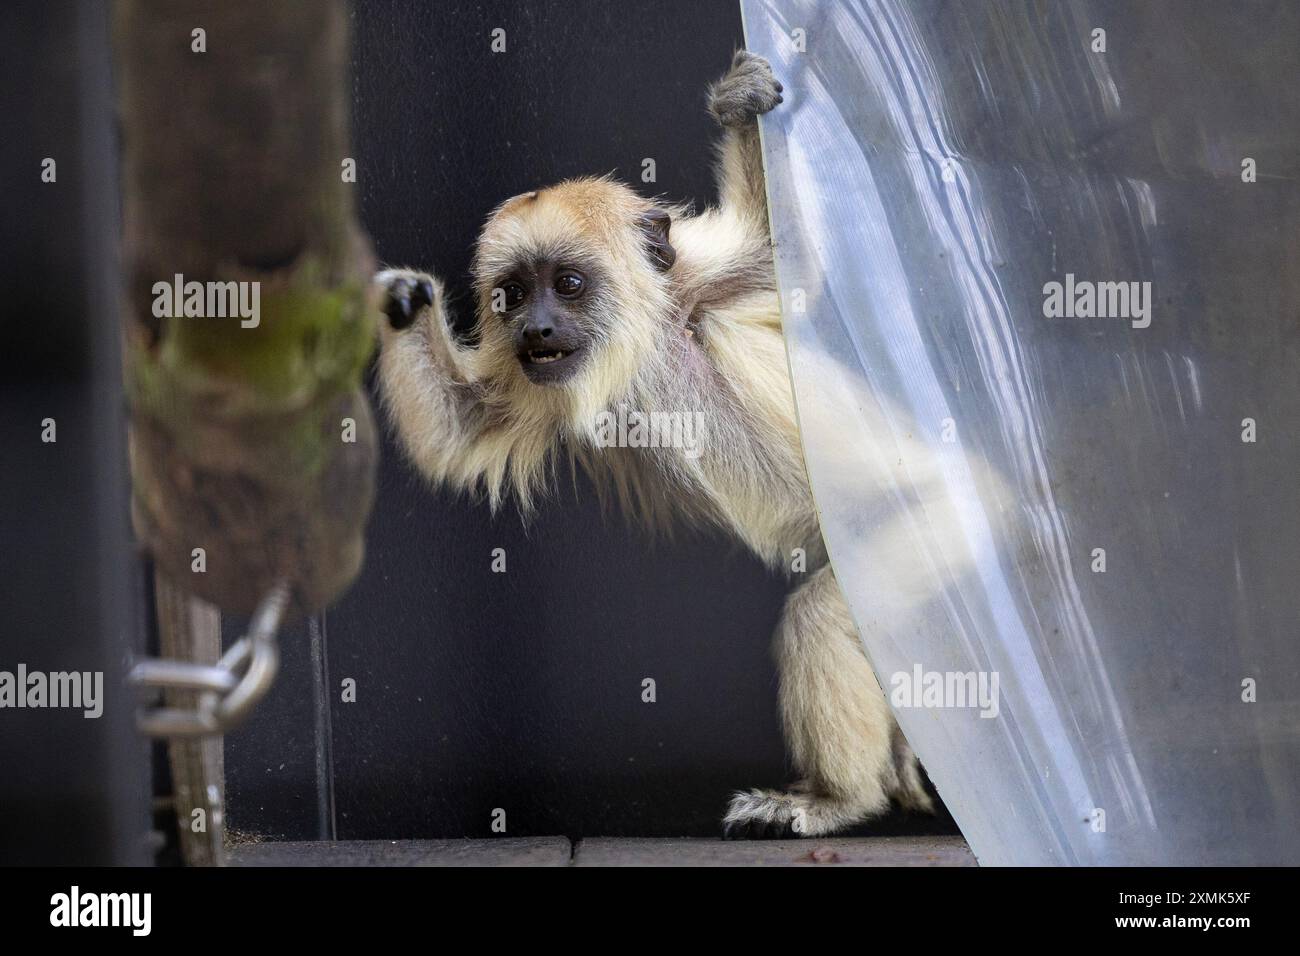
{"x":429,"y":383}
{"x":736,"y":101}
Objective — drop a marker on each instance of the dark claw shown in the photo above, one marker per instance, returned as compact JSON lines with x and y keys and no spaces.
{"x":755,"y":830}
{"x":398,"y":307}
{"x":422,"y":294}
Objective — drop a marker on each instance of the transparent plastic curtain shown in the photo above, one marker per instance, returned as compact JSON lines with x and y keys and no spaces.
{"x":1065,"y":511}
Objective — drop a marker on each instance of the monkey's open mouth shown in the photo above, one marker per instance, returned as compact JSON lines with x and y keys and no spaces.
{"x":545,"y":356}
{"x":549,"y":366}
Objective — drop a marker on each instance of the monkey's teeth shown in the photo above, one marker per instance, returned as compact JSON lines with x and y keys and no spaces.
{"x":541,"y":358}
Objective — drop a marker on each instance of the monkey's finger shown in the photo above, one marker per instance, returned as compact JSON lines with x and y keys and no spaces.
{"x":398,"y":308}
{"x":422,"y":294}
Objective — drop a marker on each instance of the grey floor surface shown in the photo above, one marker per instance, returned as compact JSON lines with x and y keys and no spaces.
{"x":560,"y":851}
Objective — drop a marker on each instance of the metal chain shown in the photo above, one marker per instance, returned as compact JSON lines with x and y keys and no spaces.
{"x":227,"y":690}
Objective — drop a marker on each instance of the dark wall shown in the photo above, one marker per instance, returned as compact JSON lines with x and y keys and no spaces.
{"x":72,"y":789}
{"x":478,"y":690}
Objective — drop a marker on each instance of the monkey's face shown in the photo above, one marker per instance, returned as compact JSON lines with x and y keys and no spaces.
{"x":547,"y":311}
{"x":572,"y":284}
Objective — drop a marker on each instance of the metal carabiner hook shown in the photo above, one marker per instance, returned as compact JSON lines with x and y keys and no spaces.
{"x":228,"y":690}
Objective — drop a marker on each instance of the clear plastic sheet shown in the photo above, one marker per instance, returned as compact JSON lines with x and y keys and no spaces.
{"x":1100,"y":511}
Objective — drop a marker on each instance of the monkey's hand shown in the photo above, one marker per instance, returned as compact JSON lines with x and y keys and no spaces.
{"x":405,"y":293}
{"x":748,"y":90}
{"x":417,"y":325}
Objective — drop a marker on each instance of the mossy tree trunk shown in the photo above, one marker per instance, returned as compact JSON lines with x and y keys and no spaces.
{"x":233,"y":161}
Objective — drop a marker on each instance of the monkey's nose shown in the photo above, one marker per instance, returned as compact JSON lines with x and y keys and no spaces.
{"x":537,"y":331}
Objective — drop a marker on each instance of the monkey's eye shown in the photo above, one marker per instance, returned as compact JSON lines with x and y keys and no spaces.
{"x":514,"y":294}
{"x":569,"y":284}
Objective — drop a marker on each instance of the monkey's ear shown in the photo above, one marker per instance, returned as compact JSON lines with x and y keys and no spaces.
{"x":654,"y":224}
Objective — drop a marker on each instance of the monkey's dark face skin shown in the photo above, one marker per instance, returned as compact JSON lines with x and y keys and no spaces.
{"x":546,"y":309}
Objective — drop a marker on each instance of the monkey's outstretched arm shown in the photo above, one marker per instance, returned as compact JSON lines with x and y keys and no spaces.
{"x":736,"y":101}
{"x":428,"y":379}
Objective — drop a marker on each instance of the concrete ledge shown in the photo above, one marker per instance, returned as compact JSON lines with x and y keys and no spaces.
{"x":607,"y":851}
{"x":858,"y":851}
{"x":540,"y":851}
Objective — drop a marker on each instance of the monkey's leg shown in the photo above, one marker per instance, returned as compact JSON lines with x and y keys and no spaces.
{"x":736,"y":101}
{"x":844,"y":741}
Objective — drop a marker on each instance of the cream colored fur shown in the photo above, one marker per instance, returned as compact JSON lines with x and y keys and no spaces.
{"x":703,"y":337}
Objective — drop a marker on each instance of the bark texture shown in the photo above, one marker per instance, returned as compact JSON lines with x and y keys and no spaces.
{"x":232,"y":171}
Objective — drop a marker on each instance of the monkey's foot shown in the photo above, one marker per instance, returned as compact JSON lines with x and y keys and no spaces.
{"x":406,"y":292}
{"x":749,"y":89}
{"x":777,"y":814}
